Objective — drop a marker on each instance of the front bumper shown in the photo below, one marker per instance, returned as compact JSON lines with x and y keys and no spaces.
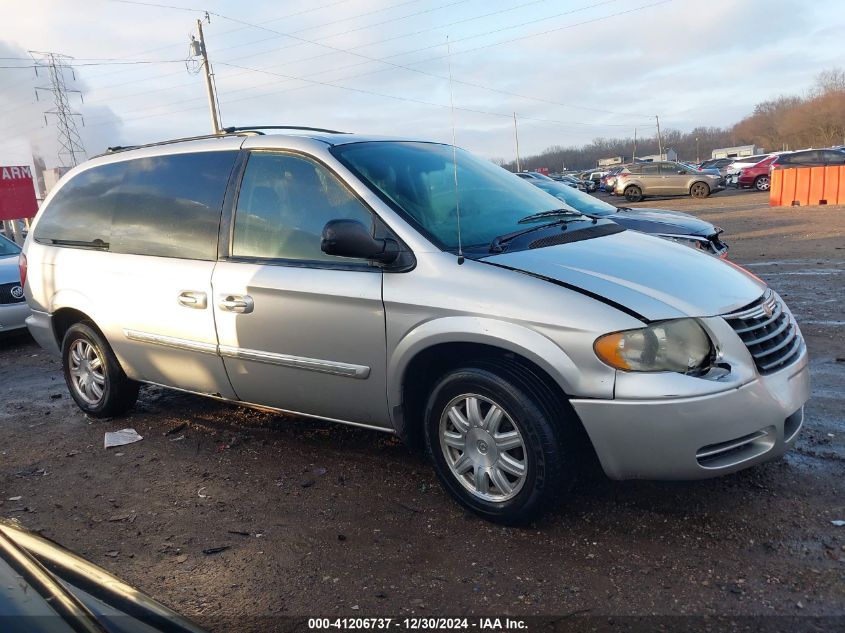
{"x":13,"y":316}
{"x":699,"y":437}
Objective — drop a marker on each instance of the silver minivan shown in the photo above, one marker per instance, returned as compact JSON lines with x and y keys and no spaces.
{"x":416,"y":289}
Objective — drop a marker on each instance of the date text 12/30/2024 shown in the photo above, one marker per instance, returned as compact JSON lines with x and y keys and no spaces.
{"x":418,"y":624}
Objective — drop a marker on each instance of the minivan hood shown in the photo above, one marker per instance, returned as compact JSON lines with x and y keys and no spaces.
{"x":660,"y":221}
{"x":650,"y":276}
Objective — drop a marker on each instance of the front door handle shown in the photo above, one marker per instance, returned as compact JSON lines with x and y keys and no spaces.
{"x":242,"y":304}
{"x":192,"y":299}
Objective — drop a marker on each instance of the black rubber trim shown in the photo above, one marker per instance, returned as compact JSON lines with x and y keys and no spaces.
{"x":582,"y":291}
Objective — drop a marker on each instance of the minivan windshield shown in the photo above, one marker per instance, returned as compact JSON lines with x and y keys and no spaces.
{"x":419,"y":179}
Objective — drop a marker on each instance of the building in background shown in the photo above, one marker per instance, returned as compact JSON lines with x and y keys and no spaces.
{"x":609,"y":162}
{"x":669,"y":154}
{"x":737,"y":152}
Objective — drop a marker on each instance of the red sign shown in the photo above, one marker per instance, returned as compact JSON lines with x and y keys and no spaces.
{"x":543,"y":170}
{"x":17,"y":193}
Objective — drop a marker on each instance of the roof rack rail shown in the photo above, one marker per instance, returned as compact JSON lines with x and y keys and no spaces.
{"x":224,"y":133}
{"x":253,"y":128}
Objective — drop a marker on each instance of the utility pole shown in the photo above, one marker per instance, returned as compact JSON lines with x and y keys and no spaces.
{"x":71,"y":149}
{"x":697,"y":153}
{"x":634,"y":155}
{"x":659,"y":138}
{"x":516,"y":137}
{"x":198,"y":50}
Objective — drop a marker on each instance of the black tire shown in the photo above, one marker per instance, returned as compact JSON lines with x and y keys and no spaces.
{"x":94,"y":377}
{"x":547,"y":435}
{"x":762,"y":183}
{"x":699,"y":190}
{"x":633,"y":193}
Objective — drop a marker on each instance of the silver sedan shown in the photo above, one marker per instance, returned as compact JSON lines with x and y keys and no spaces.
{"x":13,"y":307}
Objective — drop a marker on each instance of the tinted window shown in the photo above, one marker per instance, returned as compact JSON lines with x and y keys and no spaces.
{"x":81,"y":211}
{"x":283,"y":205}
{"x":169,"y":206}
{"x":649,"y":169}
{"x":832,"y":157}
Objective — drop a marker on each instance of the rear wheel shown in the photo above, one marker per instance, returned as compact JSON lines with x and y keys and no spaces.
{"x":633,"y":193}
{"x":699,"y":190}
{"x":93,"y":375}
{"x":497,"y":444}
{"x":762,"y":183}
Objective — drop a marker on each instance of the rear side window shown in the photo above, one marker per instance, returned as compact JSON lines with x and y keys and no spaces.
{"x":649,"y":169}
{"x":169,"y":206}
{"x":80,"y":214}
{"x":165,"y":206}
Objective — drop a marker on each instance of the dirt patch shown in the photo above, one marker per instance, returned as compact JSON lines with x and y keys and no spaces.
{"x":222,"y":511}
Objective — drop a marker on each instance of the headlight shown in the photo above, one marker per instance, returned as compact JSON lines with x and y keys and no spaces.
{"x":681,"y":345}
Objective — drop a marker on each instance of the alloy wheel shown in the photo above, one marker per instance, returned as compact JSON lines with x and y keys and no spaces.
{"x":87,"y":371}
{"x":483,"y":447}
{"x":762,"y":183}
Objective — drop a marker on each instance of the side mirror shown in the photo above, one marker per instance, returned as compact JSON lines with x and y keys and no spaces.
{"x":350,"y":238}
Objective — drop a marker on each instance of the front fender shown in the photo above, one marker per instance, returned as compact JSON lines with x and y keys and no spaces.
{"x":512,"y":337}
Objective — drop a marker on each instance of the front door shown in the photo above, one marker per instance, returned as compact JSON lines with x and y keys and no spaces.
{"x":298,"y":329}
{"x":673,"y":182}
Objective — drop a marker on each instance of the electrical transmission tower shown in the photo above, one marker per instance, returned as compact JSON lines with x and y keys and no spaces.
{"x":71,"y":150}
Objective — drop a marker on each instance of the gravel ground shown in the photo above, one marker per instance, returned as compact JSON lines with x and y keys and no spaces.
{"x":319,"y":519}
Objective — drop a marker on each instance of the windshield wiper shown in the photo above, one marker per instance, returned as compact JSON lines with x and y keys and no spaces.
{"x":554,"y":213}
{"x":498,"y":244}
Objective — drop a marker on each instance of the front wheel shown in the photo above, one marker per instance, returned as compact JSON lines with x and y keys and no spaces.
{"x":496,"y":444}
{"x":93,"y":374}
{"x":762,"y":183}
{"x":699,"y":190}
{"x":633,"y":193}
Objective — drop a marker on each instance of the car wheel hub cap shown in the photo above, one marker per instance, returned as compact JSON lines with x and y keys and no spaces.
{"x":483,"y":447}
{"x":87,"y":373}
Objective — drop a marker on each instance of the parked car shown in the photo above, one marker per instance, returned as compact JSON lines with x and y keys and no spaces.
{"x":608,"y":181}
{"x":721,"y":164}
{"x":533,"y":175}
{"x":359,"y":280}
{"x":668,"y":178}
{"x":756,"y":176}
{"x":13,"y":308}
{"x":809,"y":158}
{"x":672,"y":225}
{"x":733,"y":170}
{"x":47,"y":589}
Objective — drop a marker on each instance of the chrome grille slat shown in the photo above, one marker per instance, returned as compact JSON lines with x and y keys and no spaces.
{"x":768,"y":331}
{"x":775,"y":315}
{"x":786,"y":323}
{"x":796,"y":344}
{"x":771,"y":350}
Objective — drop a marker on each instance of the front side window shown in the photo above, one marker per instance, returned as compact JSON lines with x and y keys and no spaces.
{"x":284,"y":202}
{"x":419,"y":180}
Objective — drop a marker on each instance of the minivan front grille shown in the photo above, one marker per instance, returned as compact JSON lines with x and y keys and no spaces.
{"x":768,"y":331}
{"x":11,"y":293}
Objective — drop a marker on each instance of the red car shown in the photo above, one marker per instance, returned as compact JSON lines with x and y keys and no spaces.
{"x":757,"y":176}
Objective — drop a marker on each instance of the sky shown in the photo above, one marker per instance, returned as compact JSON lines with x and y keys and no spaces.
{"x":571,"y":70}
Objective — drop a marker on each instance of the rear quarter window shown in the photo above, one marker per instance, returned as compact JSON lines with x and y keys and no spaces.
{"x":80,"y":213}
